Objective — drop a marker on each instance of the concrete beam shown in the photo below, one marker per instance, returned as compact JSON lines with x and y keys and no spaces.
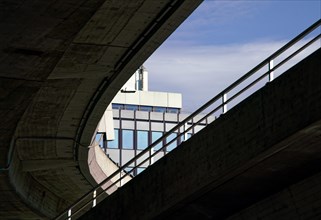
{"x":36,"y":165}
{"x":263,"y":145}
{"x":61,"y":64}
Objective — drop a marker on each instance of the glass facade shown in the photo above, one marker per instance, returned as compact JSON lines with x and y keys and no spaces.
{"x":159,"y":109}
{"x":131,"y":107}
{"x":142,"y":140}
{"x":172,"y":144}
{"x":155,"y":136}
{"x":137,"y":129}
{"x":100,"y":139}
{"x":114,"y":143}
{"x":118,"y":106}
{"x":145,"y":108}
{"x":140,"y":117}
{"x":172,"y":110}
{"x":127,"y":139}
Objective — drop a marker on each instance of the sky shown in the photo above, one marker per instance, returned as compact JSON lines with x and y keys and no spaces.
{"x":221,"y":41}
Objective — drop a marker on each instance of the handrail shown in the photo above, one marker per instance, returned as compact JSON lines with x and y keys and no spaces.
{"x":222,"y":96}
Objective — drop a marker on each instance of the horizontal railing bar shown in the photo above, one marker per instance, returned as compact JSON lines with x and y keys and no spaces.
{"x":122,"y":177}
{"x":278,"y":52}
{"x":297,"y":51}
{"x":200,"y":110}
{"x":247,"y":87}
{"x":273,"y":69}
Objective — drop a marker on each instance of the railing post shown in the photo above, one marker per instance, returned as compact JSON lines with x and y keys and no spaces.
{"x":185,"y":134}
{"x":94,"y":198}
{"x":223,"y":96}
{"x":271,"y":73}
{"x":224,"y":105}
{"x":151,"y":161}
{"x":69,"y":214}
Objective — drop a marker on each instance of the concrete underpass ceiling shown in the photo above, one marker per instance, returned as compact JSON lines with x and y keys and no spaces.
{"x":57,"y":60}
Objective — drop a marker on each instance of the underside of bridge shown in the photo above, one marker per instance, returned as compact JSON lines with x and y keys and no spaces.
{"x":61,"y":63}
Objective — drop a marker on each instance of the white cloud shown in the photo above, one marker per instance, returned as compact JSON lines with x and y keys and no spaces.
{"x":222,"y":12}
{"x":193,"y":63}
{"x":212,"y":17}
{"x":201,"y":72}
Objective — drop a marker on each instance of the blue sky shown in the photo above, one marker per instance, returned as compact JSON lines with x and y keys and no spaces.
{"x":221,"y":41}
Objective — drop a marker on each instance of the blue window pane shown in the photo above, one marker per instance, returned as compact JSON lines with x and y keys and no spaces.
{"x":114,"y":143}
{"x":172,"y":110}
{"x":156,"y":135}
{"x":142,"y":140}
{"x":128,"y":170}
{"x":131,"y":107}
{"x":100,"y":139}
{"x":128,"y":139}
{"x":146,"y":108}
{"x":173,"y":144}
{"x":139,"y":170}
{"x":117,"y":106}
{"x":159,"y":109}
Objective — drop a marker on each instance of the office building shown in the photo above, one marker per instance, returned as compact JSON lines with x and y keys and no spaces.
{"x":140,"y":117}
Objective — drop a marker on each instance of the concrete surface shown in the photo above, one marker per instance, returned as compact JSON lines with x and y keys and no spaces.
{"x":61,"y":63}
{"x":251,"y":156}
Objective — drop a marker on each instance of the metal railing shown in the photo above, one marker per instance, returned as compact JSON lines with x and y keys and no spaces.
{"x":308,"y":41}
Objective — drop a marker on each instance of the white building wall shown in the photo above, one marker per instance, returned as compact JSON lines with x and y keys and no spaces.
{"x":131,"y":95}
{"x":161,"y":99}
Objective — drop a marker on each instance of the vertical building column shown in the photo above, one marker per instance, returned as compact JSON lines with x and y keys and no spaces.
{"x":109,"y":123}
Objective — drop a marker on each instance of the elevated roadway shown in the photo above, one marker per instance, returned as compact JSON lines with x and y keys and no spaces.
{"x":61,"y":63}
{"x":260,"y":160}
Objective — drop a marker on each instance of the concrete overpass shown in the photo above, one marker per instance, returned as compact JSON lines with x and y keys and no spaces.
{"x":61,"y":63}
{"x":260,"y":160}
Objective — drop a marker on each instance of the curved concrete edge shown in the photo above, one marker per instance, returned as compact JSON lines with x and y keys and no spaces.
{"x":186,"y":8}
{"x":226,"y":160}
{"x":40,"y":201}
{"x":40,"y":198}
{"x":101,"y":167}
{"x":37,"y":186}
